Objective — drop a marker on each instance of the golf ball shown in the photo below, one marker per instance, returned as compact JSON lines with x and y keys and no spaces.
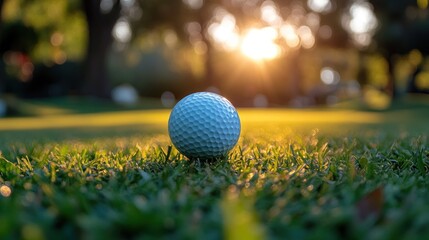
{"x":204,"y":125}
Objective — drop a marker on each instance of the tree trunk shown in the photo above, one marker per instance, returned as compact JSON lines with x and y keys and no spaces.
{"x":295,"y":87}
{"x":209,"y":73}
{"x":391,"y":84}
{"x":2,"y":80}
{"x":1,"y":17}
{"x":100,"y":25}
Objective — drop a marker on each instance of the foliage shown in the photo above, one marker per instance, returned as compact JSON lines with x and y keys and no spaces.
{"x":57,"y":31}
{"x":299,"y":175}
{"x":60,"y":27}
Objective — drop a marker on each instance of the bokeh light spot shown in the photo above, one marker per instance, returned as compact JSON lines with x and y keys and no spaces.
{"x":289,"y":34}
{"x":194,"y":4}
{"x":200,"y":47}
{"x":170,"y":38}
{"x":57,"y":39}
{"x":168,"y":99}
{"x":376,"y":99}
{"x":270,"y":14}
{"x":329,"y":76}
{"x":5,"y":191}
{"x":423,"y":4}
{"x":325,"y":32}
{"x":320,"y":5}
{"x":125,"y":94}
{"x":306,"y":36}
{"x":422,"y":81}
{"x":59,"y":57}
{"x":122,"y":31}
{"x":363,"y":18}
{"x":360,"y":22}
{"x":106,"y":6}
{"x":260,"y":101}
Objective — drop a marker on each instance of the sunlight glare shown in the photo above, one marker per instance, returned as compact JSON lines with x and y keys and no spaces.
{"x":225,"y":32}
{"x":259,"y":44}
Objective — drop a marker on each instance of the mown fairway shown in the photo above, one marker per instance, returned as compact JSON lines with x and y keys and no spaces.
{"x":322,"y":174}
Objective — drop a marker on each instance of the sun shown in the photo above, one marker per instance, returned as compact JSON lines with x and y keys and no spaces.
{"x":259,"y":44}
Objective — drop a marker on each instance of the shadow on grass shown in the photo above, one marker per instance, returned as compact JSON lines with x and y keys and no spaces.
{"x":34,"y":136}
{"x":73,"y":105}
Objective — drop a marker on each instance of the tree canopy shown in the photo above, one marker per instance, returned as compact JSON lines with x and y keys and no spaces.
{"x":59,"y":31}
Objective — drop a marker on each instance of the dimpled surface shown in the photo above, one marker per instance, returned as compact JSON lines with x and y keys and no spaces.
{"x":204,"y":126}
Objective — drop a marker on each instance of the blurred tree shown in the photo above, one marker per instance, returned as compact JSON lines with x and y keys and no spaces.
{"x":208,"y":26}
{"x":37,"y":37}
{"x":100,"y":24}
{"x":202,"y":16}
{"x":404,"y":28}
{"x":1,"y":18}
{"x":2,"y":71}
{"x":59,"y":25}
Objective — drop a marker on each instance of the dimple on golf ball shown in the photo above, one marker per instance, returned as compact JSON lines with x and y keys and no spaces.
{"x":204,"y":126}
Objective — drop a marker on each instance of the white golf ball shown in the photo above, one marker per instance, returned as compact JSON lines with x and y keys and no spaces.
{"x":204,"y":126}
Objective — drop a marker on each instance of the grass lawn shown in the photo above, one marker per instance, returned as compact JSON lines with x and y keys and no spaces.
{"x":295,"y":174}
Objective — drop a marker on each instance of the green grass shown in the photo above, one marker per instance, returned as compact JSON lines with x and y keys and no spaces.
{"x":310,"y":174}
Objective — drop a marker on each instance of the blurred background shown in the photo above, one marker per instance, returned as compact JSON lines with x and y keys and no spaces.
{"x":257,"y":53}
